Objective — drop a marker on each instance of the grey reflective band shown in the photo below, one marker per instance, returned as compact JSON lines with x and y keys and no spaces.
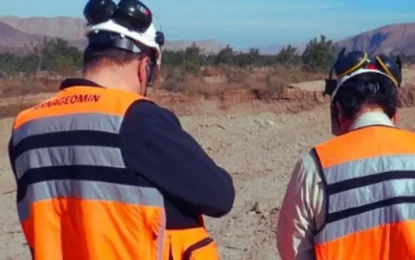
{"x":97,"y":191}
{"x":385,"y":199}
{"x":88,"y":190}
{"x":369,"y":166}
{"x":68,"y":155}
{"x":73,"y":122}
{"x":371,"y":193}
{"x":78,"y":155}
{"x":367,"y":220}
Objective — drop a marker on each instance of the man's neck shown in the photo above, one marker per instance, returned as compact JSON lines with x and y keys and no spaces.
{"x":375,"y":117}
{"x":111,"y":79}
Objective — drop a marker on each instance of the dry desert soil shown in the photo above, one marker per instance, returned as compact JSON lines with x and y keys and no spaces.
{"x":258,"y":148}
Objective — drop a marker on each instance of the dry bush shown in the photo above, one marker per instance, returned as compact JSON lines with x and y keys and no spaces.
{"x":22,"y":86}
{"x":174,"y":79}
{"x":235,"y":75}
{"x":271,"y":86}
{"x":15,"y":92}
{"x":272,"y":81}
{"x":196,"y":86}
{"x":296,"y":75}
{"x":11,"y":110}
{"x":268,"y":83}
{"x":210,"y":72}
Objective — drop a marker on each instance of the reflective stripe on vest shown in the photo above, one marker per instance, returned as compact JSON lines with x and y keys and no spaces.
{"x":91,"y":217}
{"x":369,"y":176}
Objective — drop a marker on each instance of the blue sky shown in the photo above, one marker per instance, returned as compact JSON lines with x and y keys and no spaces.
{"x":244,"y":23}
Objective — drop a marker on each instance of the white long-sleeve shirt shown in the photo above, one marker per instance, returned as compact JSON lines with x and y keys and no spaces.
{"x":303,"y":207}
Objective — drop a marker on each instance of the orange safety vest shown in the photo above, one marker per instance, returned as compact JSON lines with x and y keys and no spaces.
{"x":369,"y":178}
{"x":88,"y":219}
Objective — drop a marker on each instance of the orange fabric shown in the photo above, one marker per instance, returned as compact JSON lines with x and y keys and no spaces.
{"x":79,"y":229}
{"x":182,"y":241}
{"x":89,"y":100}
{"x":382,"y":242}
{"x":68,"y":229}
{"x":351,"y":147}
{"x":371,"y":244}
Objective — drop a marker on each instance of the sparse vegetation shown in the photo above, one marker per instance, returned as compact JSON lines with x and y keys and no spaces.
{"x":188,"y":71}
{"x":59,"y":57}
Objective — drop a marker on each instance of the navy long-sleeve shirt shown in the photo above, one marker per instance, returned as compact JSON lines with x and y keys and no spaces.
{"x":154,"y":144}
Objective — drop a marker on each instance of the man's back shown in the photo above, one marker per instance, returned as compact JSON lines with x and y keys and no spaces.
{"x":75,"y":194}
{"x":369,"y":177}
{"x":86,"y":188}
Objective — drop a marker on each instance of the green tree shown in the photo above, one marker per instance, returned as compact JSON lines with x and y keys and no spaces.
{"x":254,"y":56}
{"x":288,"y":56}
{"x":193,"y":53}
{"x":225,"y":56}
{"x":60,"y":57}
{"x":193,"y":59}
{"x":319,"y":55}
{"x":38,"y":49}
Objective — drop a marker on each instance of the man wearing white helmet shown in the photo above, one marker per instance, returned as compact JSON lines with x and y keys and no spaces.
{"x":352,"y":197}
{"x":102,"y":171}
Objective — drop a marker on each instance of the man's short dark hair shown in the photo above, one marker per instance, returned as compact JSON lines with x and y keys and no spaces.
{"x":368,"y":89}
{"x":94,"y":57}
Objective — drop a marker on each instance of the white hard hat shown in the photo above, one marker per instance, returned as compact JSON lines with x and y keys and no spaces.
{"x":342,"y":80}
{"x":147,"y":38}
{"x":357,"y":63}
{"x":127,"y":25}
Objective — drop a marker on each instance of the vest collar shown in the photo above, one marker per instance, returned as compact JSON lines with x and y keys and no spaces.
{"x":371,"y":118}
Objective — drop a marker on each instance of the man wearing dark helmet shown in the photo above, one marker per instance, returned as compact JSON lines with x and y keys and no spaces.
{"x":352,"y":197}
{"x":104,"y":173}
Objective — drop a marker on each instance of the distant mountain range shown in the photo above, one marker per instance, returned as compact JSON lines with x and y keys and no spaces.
{"x":17,"y":33}
{"x":394,"y":39}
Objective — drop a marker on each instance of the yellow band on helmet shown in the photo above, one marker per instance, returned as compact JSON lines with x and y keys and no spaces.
{"x":387,"y":70}
{"x":354,"y":67}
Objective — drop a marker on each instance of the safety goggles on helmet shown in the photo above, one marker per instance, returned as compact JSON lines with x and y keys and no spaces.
{"x":357,"y":62}
{"x":128,"y":26}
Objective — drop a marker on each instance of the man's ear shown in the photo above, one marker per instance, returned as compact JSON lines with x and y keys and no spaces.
{"x":395,"y":119}
{"x":143,"y":70}
{"x":340,"y":114}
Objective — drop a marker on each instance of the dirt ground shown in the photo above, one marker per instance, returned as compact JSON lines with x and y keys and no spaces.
{"x":258,"y":149}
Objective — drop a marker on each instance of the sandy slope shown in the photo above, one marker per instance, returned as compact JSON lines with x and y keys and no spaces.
{"x":258,"y":150}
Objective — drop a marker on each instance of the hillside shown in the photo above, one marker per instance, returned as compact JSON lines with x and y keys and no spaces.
{"x":12,"y":38}
{"x":18,"y":32}
{"x":63,"y":27}
{"x":396,"y":38}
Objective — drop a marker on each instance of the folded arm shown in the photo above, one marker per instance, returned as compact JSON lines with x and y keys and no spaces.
{"x":155,"y":146}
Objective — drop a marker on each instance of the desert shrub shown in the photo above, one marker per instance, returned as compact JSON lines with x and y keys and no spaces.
{"x":174,"y":79}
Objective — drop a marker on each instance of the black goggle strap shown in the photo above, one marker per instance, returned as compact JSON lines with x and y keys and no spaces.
{"x":355,"y":67}
{"x":150,"y":71}
{"x":399,"y":63}
{"x":387,"y":71}
{"x":331,"y":72}
{"x":339,"y":57}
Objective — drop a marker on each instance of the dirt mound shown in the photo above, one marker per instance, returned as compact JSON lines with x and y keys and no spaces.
{"x":290,"y":100}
